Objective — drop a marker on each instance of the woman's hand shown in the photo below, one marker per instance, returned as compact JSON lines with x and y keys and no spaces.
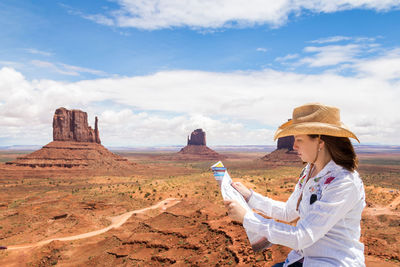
{"x":235,"y":210}
{"x":244,"y":191}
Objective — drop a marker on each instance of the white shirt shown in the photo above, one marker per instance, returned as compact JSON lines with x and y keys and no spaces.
{"x":328,"y":231}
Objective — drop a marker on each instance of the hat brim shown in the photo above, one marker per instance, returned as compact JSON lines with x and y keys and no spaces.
{"x":321,"y":128}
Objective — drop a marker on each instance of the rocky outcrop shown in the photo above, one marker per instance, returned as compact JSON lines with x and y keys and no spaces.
{"x":197,"y":138}
{"x":200,"y":152}
{"x":197,"y":149}
{"x":280,"y":157}
{"x":72,"y":125}
{"x":67,"y":154}
{"x":75,"y":145}
{"x":286,"y":142}
{"x":284,"y":153}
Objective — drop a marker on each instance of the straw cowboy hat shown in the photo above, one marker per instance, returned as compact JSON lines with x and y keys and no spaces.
{"x":315,"y":118}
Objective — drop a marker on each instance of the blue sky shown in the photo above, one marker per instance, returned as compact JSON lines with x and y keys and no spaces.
{"x":151,"y":69}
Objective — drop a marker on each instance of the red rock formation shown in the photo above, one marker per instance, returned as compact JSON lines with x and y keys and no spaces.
{"x":75,"y":145}
{"x":72,"y":154}
{"x":284,"y":153}
{"x":72,"y":125}
{"x":199,"y":152}
{"x":286,"y":142}
{"x":197,"y":138}
{"x":282,"y":157}
{"x":197,"y":149}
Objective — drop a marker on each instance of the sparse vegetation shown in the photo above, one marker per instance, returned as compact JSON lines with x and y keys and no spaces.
{"x":90,"y":200}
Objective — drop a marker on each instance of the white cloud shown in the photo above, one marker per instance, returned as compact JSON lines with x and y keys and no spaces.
{"x":333,"y":6}
{"x":386,"y":67}
{"x":331,"y":55}
{"x":363,"y":59}
{"x":331,"y":39}
{"x":66,"y":69}
{"x":261,"y":49}
{"x":335,"y":39}
{"x":158,"y":14}
{"x":287,"y":57}
{"x":38,"y":52}
{"x":351,"y":51}
{"x":126,"y":127}
{"x":98,"y":18}
{"x":234,"y":108}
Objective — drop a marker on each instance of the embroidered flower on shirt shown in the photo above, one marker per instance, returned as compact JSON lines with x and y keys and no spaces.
{"x":329,"y":180}
{"x":314,"y":188}
{"x":316,"y":179}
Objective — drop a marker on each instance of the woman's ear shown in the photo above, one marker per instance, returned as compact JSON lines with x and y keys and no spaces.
{"x":321,"y":145}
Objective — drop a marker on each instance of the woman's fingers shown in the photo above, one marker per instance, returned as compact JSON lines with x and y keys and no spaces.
{"x":237,"y":185}
{"x":230,"y":204}
{"x":235,"y":211}
{"x":243,"y":190}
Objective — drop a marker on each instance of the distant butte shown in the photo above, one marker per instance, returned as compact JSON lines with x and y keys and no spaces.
{"x":75,"y":144}
{"x":197,"y":148}
{"x":197,"y":138}
{"x":284,"y":153}
{"x":286,"y":142}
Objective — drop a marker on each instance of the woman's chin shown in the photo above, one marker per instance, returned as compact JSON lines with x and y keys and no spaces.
{"x":303,"y":159}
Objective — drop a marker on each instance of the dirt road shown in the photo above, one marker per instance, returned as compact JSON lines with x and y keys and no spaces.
{"x":116,"y":222}
{"x":386,"y":210}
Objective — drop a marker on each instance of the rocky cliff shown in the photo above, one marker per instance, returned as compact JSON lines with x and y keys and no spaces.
{"x":72,"y":125}
{"x":197,"y":138}
{"x":286,"y":142}
{"x":284,"y":153}
{"x":197,"y":149}
{"x":75,"y":145}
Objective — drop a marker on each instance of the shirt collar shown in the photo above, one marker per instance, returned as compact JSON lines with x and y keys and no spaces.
{"x":329,"y":168}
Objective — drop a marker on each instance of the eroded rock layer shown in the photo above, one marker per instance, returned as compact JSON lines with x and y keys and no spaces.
{"x":72,"y":154}
{"x":188,"y":234}
{"x":286,"y":142}
{"x":197,"y":138}
{"x":284,"y":153}
{"x":198,"y":152}
{"x":282,"y":157}
{"x":72,"y":125}
{"x":197,"y":149}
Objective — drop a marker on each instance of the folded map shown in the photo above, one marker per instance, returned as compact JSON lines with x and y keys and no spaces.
{"x":258,"y":242}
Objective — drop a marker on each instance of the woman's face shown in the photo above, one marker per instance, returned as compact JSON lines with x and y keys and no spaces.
{"x":306,"y":147}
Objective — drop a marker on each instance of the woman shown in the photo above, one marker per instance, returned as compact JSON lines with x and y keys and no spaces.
{"x":328,"y":198}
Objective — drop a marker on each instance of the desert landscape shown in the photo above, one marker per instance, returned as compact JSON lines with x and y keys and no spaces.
{"x":190,"y":227}
{"x":112,"y":113}
{"x":75,"y":203}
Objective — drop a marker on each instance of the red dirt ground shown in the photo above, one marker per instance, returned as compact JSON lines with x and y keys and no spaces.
{"x":43,"y":203}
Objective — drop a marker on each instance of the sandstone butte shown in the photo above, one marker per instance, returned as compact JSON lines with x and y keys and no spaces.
{"x":72,"y":125}
{"x":284,"y":153}
{"x":197,"y":148}
{"x":75,"y":145}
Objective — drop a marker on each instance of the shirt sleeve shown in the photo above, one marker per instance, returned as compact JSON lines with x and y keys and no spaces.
{"x":284,"y":211}
{"x":337,"y":199}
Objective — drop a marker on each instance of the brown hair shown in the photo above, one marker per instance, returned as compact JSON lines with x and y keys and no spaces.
{"x":341,"y":151}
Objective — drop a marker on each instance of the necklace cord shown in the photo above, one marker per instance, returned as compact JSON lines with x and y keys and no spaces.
{"x":312,"y":168}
